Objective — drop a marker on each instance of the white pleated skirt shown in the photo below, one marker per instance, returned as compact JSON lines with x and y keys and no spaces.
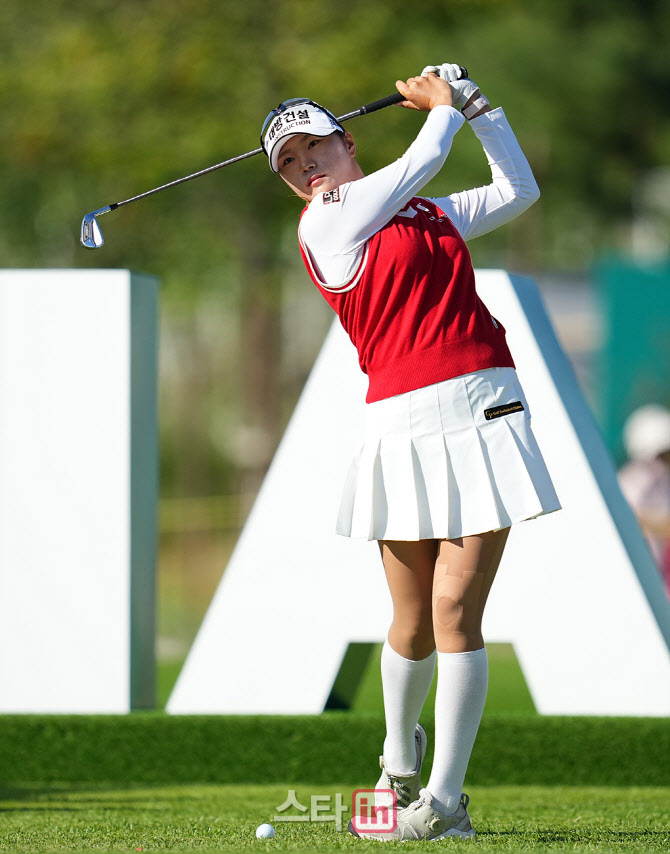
{"x":449,"y":460}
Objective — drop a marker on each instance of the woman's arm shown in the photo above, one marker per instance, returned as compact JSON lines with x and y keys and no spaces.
{"x":366,"y":205}
{"x":512,"y":191}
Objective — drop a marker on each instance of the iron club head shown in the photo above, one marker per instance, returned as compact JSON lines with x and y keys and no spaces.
{"x":91,"y":236}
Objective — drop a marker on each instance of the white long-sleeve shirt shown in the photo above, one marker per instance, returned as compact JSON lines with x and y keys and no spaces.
{"x":335,"y":235}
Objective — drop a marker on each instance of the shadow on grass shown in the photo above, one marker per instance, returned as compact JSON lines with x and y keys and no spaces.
{"x":617,"y":838}
{"x":55,"y":797}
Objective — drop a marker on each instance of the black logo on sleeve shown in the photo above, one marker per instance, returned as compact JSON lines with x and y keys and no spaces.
{"x":331,"y":196}
{"x":507,"y":409}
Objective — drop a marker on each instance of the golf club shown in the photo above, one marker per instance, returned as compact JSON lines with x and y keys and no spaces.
{"x":91,"y":236}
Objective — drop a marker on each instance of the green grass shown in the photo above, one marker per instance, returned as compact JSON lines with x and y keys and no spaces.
{"x":150,"y":781}
{"x":224,"y":817}
{"x":148,"y":748}
{"x":161,"y":783}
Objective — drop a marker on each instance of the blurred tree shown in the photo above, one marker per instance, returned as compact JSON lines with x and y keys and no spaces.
{"x":105,"y":99}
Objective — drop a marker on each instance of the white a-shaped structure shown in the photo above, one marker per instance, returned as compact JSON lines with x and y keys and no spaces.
{"x":577,"y":594}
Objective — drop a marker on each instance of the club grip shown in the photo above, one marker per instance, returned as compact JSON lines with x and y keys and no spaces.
{"x":388,"y":101}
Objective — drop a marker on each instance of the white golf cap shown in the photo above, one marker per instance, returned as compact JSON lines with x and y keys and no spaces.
{"x":295,"y":117}
{"x":646,"y":432}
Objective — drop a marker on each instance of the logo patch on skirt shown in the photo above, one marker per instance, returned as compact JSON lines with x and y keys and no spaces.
{"x":507,"y":409}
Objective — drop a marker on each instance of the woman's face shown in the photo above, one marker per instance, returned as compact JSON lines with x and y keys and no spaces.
{"x":316,"y":164}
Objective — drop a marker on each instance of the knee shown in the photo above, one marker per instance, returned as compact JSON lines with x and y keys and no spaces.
{"x":456,"y":618}
{"x":413,"y":633}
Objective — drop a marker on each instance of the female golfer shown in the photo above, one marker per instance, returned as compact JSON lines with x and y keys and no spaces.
{"x":449,"y":460}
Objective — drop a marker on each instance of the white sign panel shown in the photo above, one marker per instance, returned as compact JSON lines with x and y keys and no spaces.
{"x":78,"y":489}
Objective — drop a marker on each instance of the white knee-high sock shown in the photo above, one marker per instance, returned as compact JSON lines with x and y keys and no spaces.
{"x":405,"y":684}
{"x":462,"y":680}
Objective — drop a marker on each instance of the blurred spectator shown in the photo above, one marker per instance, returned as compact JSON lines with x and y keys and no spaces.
{"x":645,"y":478}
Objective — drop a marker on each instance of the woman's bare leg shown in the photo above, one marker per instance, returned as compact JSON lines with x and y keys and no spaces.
{"x":408,"y":656}
{"x":409,"y":568}
{"x":464,"y":572}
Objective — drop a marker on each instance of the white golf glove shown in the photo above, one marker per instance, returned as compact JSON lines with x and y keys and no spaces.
{"x":462,"y":90}
{"x":447,"y":71}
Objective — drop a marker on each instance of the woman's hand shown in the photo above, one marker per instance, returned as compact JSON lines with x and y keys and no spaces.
{"x":424,"y":93}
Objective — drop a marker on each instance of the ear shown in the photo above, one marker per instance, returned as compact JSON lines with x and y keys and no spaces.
{"x":349,"y":144}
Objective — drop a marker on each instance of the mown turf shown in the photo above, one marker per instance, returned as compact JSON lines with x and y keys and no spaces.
{"x":157,"y":748}
{"x":152,"y":782}
{"x":224,"y":818}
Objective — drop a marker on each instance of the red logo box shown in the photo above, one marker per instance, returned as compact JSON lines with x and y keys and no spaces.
{"x":366,"y":817}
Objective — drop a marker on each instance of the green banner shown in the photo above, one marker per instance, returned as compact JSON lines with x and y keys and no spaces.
{"x":635,"y":367}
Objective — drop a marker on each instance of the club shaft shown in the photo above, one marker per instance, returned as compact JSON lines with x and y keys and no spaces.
{"x":388,"y":101}
{"x":183,"y":180}
{"x":361,"y":111}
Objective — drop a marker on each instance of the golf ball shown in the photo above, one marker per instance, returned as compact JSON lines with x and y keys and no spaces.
{"x":265,"y":831}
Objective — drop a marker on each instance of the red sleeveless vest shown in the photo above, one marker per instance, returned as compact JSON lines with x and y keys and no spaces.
{"x":412,"y":310}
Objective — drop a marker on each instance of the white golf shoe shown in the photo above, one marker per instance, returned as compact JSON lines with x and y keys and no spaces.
{"x":420,"y":820}
{"x":405,"y":786}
